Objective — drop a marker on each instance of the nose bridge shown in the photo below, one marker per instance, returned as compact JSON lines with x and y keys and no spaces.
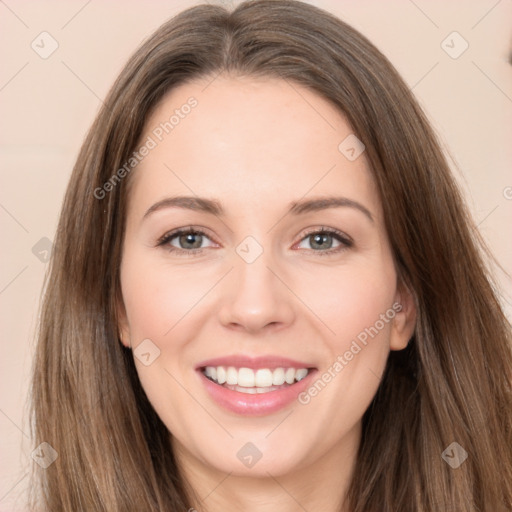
{"x":255,"y":280}
{"x":256,"y":297}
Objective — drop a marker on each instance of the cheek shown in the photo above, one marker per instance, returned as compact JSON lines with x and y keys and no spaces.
{"x":157,"y":300}
{"x":350,"y":299}
{"x":163,"y":304}
{"x":157,"y":297}
{"x":357,"y":304}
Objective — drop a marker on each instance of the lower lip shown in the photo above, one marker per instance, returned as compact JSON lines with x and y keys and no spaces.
{"x":255,"y":404}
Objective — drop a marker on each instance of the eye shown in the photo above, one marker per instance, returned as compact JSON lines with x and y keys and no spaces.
{"x":190,"y":241}
{"x":184,"y":240}
{"x":326,"y":241}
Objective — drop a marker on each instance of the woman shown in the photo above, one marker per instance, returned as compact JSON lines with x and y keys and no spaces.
{"x":329,"y":340}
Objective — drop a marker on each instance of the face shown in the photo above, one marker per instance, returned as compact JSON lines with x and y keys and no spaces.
{"x":259,"y":290}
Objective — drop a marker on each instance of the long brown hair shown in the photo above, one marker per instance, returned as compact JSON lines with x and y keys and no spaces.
{"x":451,"y":384}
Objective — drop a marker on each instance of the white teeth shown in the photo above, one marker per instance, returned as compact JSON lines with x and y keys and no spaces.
{"x":211,"y":371}
{"x":231,"y":376}
{"x":254,"y":381}
{"x":300,"y":374}
{"x":221,"y":374}
{"x":245,"y":378}
{"x":252,"y":391}
{"x":289,"y":375}
{"x":278,"y":377}
{"x":263,"y":378}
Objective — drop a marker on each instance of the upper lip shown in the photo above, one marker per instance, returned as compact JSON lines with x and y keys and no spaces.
{"x":245,"y":361}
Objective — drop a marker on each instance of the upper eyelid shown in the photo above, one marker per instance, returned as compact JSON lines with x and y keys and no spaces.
{"x":187,"y":229}
{"x":324,"y":229}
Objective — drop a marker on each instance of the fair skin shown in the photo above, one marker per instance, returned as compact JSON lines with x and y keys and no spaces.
{"x":255,"y":146}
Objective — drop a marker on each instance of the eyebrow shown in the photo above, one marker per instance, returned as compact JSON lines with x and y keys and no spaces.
{"x":212,"y":206}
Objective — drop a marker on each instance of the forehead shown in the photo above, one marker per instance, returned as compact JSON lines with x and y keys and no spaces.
{"x":250,"y":140}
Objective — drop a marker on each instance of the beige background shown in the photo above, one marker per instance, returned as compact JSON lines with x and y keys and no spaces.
{"x":48,"y":104}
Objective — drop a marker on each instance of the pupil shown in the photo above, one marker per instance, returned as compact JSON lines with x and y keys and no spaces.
{"x":321,"y":240}
{"x":191,"y":238}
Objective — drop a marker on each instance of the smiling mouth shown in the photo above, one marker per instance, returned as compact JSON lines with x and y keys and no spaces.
{"x":254,"y":381}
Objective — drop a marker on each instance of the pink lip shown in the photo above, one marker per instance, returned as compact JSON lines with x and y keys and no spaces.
{"x":255,"y":404}
{"x":242,"y":361}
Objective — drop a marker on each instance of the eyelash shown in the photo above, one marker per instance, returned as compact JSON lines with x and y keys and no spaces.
{"x":345,"y":241}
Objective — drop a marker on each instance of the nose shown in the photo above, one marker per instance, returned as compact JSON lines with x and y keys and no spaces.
{"x":256,"y":298}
